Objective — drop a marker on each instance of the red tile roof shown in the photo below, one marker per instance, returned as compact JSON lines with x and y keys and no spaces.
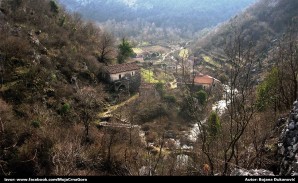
{"x":119,"y":68}
{"x":204,"y":79}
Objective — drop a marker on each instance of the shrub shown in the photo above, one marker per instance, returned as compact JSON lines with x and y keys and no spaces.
{"x":35,"y":124}
{"x":160,"y":89}
{"x":15,"y":47}
{"x":150,"y":113}
{"x":65,"y":108}
{"x":146,"y":128}
{"x":202,"y":97}
{"x":170,"y":99}
{"x":54,"y":7}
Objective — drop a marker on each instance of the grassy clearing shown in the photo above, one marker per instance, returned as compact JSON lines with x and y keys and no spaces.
{"x":184,"y":53}
{"x":164,"y":78}
{"x":115,"y":107}
{"x":210,"y":61}
{"x":158,"y":77}
{"x":137,"y":50}
{"x":148,"y":76}
{"x":155,"y":48}
{"x":145,"y":43}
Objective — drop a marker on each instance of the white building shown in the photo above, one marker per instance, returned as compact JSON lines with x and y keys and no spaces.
{"x":119,"y":71}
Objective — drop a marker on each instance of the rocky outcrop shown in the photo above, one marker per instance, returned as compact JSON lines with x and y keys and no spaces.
{"x":287,"y":149}
{"x":288,"y":144}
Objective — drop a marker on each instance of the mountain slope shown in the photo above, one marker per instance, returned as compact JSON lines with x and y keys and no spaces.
{"x":48,"y":82}
{"x":191,"y":14}
{"x":262,"y":27}
{"x":263,"y":23}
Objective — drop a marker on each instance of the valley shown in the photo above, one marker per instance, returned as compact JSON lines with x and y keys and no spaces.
{"x":128,"y":88}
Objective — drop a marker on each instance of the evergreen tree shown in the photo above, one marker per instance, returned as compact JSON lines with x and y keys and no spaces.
{"x":267,"y":91}
{"x":125,"y":51}
{"x":54,"y":7}
{"x":202,"y":97}
{"x":213,"y":124}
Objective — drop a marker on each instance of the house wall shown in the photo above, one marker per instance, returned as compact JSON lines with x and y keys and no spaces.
{"x":203,"y":85}
{"x":116,"y":77}
{"x":206,"y":85}
{"x":215,"y":82}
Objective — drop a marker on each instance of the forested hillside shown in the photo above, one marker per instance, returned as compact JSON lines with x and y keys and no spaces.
{"x":263,"y":23}
{"x":268,"y":29}
{"x":184,"y":18}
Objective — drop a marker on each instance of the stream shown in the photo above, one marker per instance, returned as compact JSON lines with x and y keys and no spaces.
{"x":219,"y":107}
{"x":192,"y":135}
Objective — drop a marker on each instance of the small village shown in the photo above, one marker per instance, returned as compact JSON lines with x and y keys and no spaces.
{"x":160,"y":68}
{"x":139,"y":80}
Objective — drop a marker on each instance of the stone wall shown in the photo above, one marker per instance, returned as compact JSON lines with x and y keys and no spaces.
{"x":288,"y":144}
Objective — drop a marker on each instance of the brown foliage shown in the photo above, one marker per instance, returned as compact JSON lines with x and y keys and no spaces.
{"x":43,"y":50}
{"x":12,"y":46}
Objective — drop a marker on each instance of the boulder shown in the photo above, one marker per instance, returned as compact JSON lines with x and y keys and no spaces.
{"x":291,"y":126}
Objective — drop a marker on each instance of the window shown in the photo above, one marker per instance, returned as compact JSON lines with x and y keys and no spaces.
{"x":120,"y":76}
{"x":132,"y":73}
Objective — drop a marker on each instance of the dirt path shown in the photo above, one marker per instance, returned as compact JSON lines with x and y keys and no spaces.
{"x":113,"y":108}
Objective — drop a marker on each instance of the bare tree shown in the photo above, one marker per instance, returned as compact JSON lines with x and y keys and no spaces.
{"x":90,"y":103}
{"x":6,"y":141}
{"x":1,"y":71}
{"x":287,"y":64}
{"x":223,"y":149}
{"x":239,"y":95}
{"x":183,"y":62}
{"x":106,"y":48}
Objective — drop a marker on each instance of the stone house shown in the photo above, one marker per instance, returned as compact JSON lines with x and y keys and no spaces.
{"x":205,"y":81}
{"x":123,"y":76}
